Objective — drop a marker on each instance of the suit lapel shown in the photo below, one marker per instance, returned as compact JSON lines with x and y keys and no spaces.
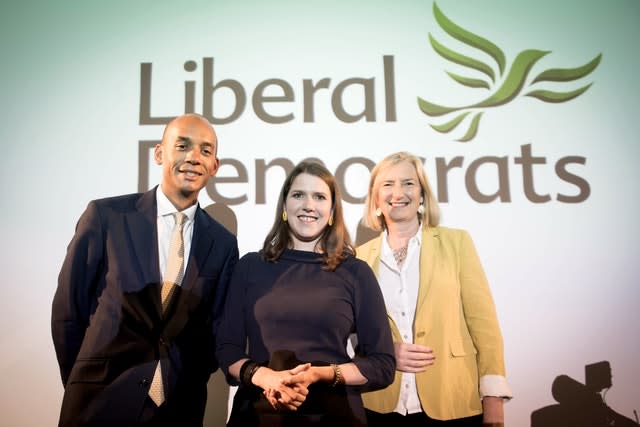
{"x":143,"y":232}
{"x":201,"y":244}
{"x":143,"y":296}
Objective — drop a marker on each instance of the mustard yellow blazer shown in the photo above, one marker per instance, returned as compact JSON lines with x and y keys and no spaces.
{"x":456,"y":316}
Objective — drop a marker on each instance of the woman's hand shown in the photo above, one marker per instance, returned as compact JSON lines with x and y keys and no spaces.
{"x":349,"y":372}
{"x":312,"y":375}
{"x":493,"y":410}
{"x":413,"y":357}
{"x":283,"y":389}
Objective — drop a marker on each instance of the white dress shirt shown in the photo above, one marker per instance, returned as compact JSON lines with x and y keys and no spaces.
{"x":166,"y":222}
{"x":400,"y":290}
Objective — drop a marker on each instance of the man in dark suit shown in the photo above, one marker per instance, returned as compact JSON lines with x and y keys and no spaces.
{"x":112,"y":335}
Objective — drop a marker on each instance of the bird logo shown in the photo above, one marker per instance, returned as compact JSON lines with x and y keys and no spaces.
{"x":503,"y":87}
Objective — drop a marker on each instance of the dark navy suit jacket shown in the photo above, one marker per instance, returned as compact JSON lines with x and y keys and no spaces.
{"x":107,"y":325}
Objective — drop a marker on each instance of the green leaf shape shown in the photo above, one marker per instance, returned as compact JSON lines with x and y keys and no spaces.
{"x":469,"y":38}
{"x":434,"y":110}
{"x":558,"y":97}
{"x":512,"y":84}
{"x":473,"y":128}
{"x":463,"y":60}
{"x":568,"y":74}
{"x":450,"y":125}
{"x":467,"y":81}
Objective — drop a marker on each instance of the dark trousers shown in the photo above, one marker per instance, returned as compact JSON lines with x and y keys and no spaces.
{"x":420,"y":419}
{"x":168,"y":415}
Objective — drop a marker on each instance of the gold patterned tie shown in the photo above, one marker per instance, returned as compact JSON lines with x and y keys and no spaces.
{"x":172,"y":278}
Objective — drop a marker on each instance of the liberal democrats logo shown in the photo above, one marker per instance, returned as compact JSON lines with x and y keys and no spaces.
{"x":502,"y":89}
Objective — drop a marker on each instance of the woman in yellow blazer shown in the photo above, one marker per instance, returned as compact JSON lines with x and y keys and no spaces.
{"x":448,"y":345}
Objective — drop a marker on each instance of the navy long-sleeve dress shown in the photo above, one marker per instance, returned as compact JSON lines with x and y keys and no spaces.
{"x":294,"y":306}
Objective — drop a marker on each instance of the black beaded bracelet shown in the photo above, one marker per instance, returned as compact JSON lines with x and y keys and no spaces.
{"x":247,"y":370}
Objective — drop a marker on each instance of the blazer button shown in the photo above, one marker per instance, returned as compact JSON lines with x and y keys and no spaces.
{"x":144,"y":382}
{"x":420,"y":334}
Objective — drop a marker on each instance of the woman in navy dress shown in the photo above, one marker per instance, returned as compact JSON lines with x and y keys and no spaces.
{"x":291,"y":309}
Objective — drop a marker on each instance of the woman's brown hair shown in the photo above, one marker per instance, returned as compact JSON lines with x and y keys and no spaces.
{"x":334,"y":242}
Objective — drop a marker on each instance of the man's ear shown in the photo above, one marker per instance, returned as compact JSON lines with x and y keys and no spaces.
{"x":215,"y":167}
{"x":157,"y":154}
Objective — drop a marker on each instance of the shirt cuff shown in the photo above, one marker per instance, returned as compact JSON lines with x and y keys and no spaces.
{"x":495,"y":386}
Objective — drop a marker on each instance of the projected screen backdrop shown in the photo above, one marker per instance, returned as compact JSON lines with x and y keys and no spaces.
{"x":525,"y":114}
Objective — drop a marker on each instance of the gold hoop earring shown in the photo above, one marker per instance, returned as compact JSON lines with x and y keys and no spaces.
{"x":378,"y":211}
{"x":284,"y":216}
{"x":330,"y":221}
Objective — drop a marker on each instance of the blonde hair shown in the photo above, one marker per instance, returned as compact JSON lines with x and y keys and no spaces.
{"x":431,"y":215}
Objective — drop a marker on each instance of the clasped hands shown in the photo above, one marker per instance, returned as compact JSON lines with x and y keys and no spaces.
{"x":285,"y":389}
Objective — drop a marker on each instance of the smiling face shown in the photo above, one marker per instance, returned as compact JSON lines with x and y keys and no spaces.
{"x":187,"y":154}
{"x":308,"y":206}
{"x":399,"y":193}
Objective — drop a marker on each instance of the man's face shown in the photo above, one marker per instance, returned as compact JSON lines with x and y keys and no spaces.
{"x":187,"y":154}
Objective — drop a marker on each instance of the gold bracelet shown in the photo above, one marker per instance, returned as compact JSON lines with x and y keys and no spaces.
{"x":337,"y":375}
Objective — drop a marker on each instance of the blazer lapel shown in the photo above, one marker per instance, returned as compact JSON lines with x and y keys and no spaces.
{"x":427,"y":263}
{"x":373,"y":259}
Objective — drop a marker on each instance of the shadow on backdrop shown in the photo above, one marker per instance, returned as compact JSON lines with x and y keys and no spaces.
{"x":224,"y":215}
{"x":218,"y":391}
{"x":581,"y":405}
{"x":364,"y":234}
{"x":215,"y":414}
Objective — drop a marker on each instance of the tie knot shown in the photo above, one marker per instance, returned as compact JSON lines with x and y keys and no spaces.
{"x":180,"y":219}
